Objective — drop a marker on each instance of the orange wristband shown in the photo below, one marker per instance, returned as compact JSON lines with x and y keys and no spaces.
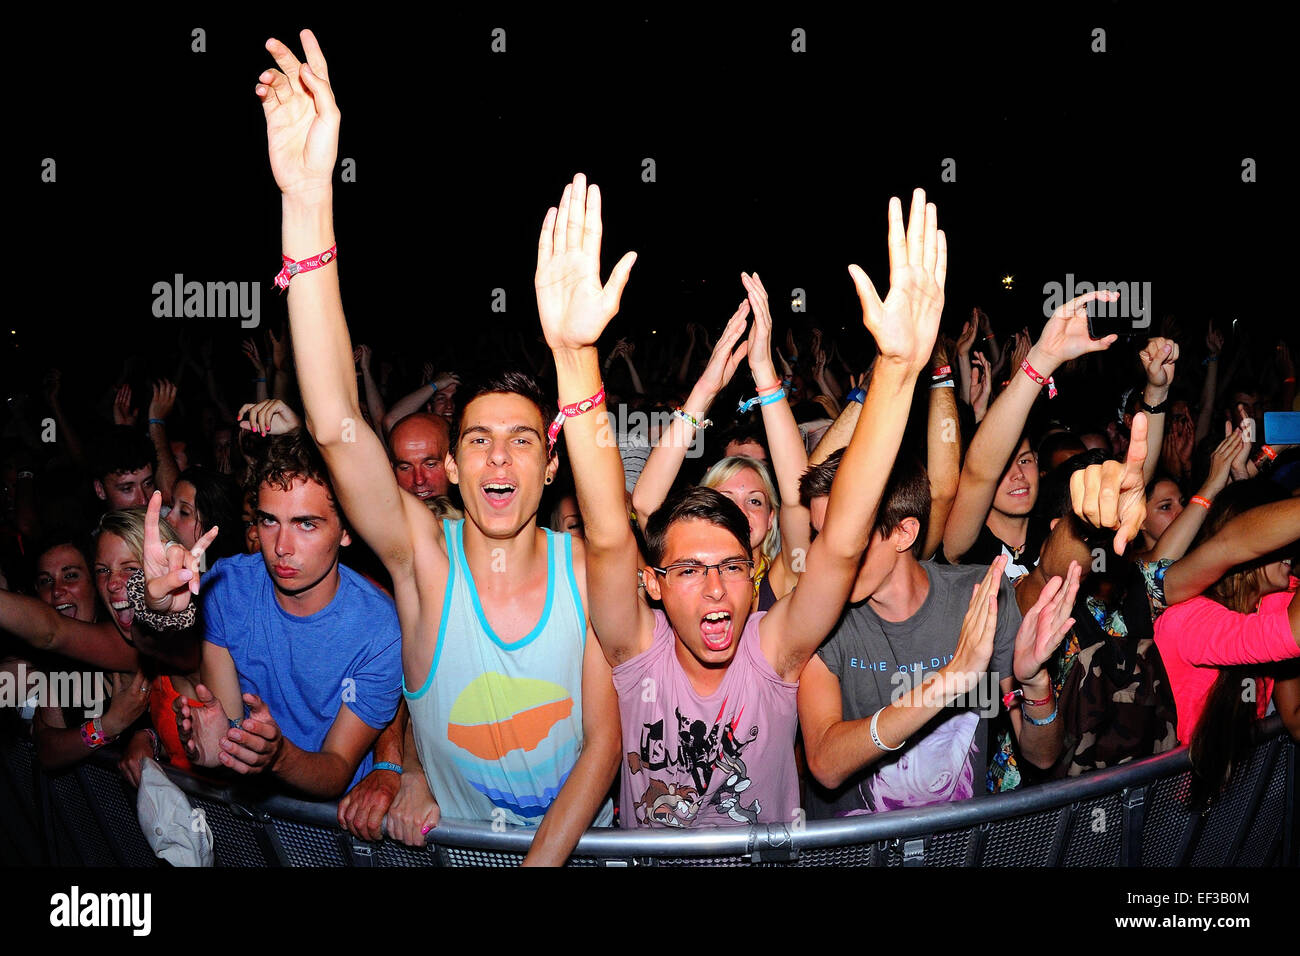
{"x":1202,"y":501}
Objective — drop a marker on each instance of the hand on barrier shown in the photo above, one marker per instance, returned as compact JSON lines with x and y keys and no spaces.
{"x":414,"y":811}
{"x":362,"y":809}
{"x":140,"y":748}
{"x":201,"y":728}
{"x":255,"y":744}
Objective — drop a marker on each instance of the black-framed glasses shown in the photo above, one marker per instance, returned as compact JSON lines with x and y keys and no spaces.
{"x":693,"y":575}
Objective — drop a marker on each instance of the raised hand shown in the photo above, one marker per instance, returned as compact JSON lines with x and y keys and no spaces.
{"x":249,"y":348}
{"x":362,"y":356}
{"x":1045,"y":625}
{"x":1020,"y":347}
{"x":1065,"y":336}
{"x":271,"y":417}
{"x":123,"y":413}
{"x":723,"y":361}
{"x":171,"y":574}
{"x":130,"y":699}
{"x":905,"y":324}
{"x":1112,"y":495}
{"x":1158,"y":360}
{"x":981,"y":385}
{"x":967,"y":338}
{"x":279,"y":349}
{"x":164,"y":398}
{"x":1285,"y":366}
{"x":970,"y":661}
{"x":1213,"y":339}
{"x":201,"y":729}
{"x":573,"y":304}
{"x":302,"y":119}
{"x":760,"y":333}
{"x":255,"y":744}
{"x":1223,"y":457}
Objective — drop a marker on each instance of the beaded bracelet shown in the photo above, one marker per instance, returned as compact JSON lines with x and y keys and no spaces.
{"x":690,"y":419}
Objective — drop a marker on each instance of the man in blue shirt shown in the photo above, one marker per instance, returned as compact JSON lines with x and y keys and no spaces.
{"x":311,"y":647}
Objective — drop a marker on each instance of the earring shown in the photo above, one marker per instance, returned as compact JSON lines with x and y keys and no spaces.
{"x":549,"y":480}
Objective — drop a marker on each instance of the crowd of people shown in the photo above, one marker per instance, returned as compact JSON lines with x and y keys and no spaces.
{"x":799,"y":588}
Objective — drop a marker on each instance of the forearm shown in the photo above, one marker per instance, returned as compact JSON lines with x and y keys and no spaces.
{"x":577,"y":803}
{"x":1153,"y":395}
{"x":408,"y":405}
{"x":1182,"y":531}
{"x":963,"y":375}
{"x":685,"y":368}
{"x":167,"y":472}
{"x":324,"y":775}
{"x":789,"y":457}
{"x":1246,"y":538}
{"x":1205,"y":416}
{"x":593,"y":451}
{"x":391,"y":744}
{"x":665,"y":459}
{"x":636,"y":379}
{"x":58,"y":748}
{"x":1040,"y":744}
{"x":260,"y":391}
{"x":943,"y":463}
{"x":838,"y":435}
{"x":323,"y":352}
{"x":374,"y":400}
{"x":35,"y":622}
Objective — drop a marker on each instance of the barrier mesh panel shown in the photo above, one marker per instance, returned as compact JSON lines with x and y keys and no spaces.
{"x":116,"y":799}
{"x":948,"y":849}
{"x":309,"y":846}
{"x":234,"y":839}
{"x":1226,"y":815}
{"x":392,"y":853}
{"x":82,"y":826}
{"x":1266,"y":827}
{"x":704,"y":861}
{"x":861,"y":854}
{"x":1095,"y":833}
{"x":459,"y":856}
{"x":1026,"y":841}
{"x":1166,"y":819}
{"x":18,"y":757}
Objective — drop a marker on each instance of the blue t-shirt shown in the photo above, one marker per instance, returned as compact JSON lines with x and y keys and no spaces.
{"x":304,"y":668}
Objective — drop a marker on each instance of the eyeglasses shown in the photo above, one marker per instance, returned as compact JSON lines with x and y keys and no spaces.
{"x":694,"y":575}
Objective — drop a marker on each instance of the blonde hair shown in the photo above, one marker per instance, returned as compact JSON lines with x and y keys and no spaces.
{"x":727,"y":469}
{"x":128,"y":524}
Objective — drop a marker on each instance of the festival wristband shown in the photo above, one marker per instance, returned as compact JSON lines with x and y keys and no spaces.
{"x":943,"y":383}
{"x":858,"y":395}
{"x":690,"y":419}
{"x":875,"y":737}
{"x":941,"y":371}
{"x":771,"y":399}
{"x":92,"y":734}
{"x":572,"y":411}
{"x":1038,"y":379}
{"x":1265,"y":451}
{"x":1010,"y":696}
{"x":1202,"y":501}
{"x":291,"y":268}
{"x":156,"y":421}
{"x":1035,"y":721}
{"x":386,"y":765}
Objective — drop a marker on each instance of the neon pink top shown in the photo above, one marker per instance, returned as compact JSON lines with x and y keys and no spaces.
{"x":1199,"y":636}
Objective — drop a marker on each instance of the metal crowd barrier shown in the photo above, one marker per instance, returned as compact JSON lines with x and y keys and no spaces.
{"x":1131,"y":815}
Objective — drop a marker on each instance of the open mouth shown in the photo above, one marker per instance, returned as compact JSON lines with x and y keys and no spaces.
{"x":422,"y":495}
{"x":67,"y":610}
{"x":499,"y":493}
{"x":123,"y":612}
{"x":715,"y":628}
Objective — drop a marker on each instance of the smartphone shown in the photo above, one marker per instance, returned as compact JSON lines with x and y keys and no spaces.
{"x":1282,"y":428}
{"x":1104,"y":324}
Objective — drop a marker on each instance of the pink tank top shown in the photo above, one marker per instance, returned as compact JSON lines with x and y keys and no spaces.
{"x":722,"y":760}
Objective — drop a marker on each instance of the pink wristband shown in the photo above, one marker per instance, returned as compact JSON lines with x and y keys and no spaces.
{"x":1049,"y":382}
{"x":291,"y":268}
{"x":572,"y":411}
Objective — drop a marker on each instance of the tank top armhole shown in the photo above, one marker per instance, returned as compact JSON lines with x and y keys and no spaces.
{"x":567,"y":557}
{"x":453,"y":548}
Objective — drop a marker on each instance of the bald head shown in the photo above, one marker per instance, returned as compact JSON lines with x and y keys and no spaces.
{"x":418,"y":446}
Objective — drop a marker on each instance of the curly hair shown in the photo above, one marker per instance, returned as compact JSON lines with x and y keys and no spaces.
{"x":286,"y":459}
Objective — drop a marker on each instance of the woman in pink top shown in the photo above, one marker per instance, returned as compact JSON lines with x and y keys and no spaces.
{"x":1226,"y":611}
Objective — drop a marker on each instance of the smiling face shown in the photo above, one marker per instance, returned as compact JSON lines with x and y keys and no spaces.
{"x":1018,"y":490}
{"x":300,"y":534}
{"x":501,"y":462}
{"x":126,"y":489}
{"x":115,"y":561}
{"x":746,"y":490}
{"x":63,"y":582}
{"x":418,"y":446}
{"x":1165,"y":504}
{"x":707,"y":610}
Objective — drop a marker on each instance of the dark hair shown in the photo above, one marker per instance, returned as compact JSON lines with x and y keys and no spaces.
{"x":508,"y":382}
{"x":694,"y":503}
{"x":121,"y":449}
{"x":1054,"y":493}
{"x":1058,"y":441}
{"x":219,"y":501}
{"x":287,"y":458}
{"x":1222,"y":736}
{"x":906,"y":494}
{"x":744,"y":431}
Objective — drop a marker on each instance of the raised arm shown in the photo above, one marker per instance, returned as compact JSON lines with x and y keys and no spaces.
{"x":575,"y":308}
{"x":412,"y":402}
{"x":374,"y":399}
{"x":1181,"y":532}
{"x":904,"y":326}
{"x":160,"y":406}
{"x":1158,"y":360}
{"x":302,"y":127}
{"x":1209,"y":388}
{"x":942,"y":454}
{"x":789,"y":457}
{"x":1065,"y":337}
{"x":665,"y":459}
{"x":35,"y":622}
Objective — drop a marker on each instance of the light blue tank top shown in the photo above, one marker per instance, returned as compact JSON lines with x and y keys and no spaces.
{"x":498,"y":726}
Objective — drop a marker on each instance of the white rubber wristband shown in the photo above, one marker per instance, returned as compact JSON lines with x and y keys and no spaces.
{"x":875,"y":737}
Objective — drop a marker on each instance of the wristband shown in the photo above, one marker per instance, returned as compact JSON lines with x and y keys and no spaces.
{"x":291,"y":268}
{"x":178,"y":621}
{"x":159,"y":421}
{"x":943,"y":383}
{"x":1009,"y":698}
{"x":432,"y":385}
{"x":1210,"y":358}
{"x":26,"y":474}
{"x":1289,"y":380}
{"x":941,"y":371}
{"x":1157,"y":409}
{"x":1265,"y":451}
{"x":1038,"y":379}
{"x":1035,"y":721}
{"x":875,"y":737}
{"x":386,"y":765}
{"x":858,"y":395}
{"x":572,"y":411}
{"x":690,"y":419}
{"x":771,"y":399}
{"x":262,"y":380}
{"x":1202,"y":501}
{"x":92,"y":734}
{"x":770,"y":388}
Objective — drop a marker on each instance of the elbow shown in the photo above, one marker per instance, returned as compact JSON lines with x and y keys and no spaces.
{"x":331,"y":431}
{"x":832,"y":778}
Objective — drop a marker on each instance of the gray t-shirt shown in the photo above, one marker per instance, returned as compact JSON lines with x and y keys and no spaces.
{"x":877,"y":661}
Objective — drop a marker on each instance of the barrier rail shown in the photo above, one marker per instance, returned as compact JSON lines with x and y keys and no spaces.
{"x":1124,"y":816}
